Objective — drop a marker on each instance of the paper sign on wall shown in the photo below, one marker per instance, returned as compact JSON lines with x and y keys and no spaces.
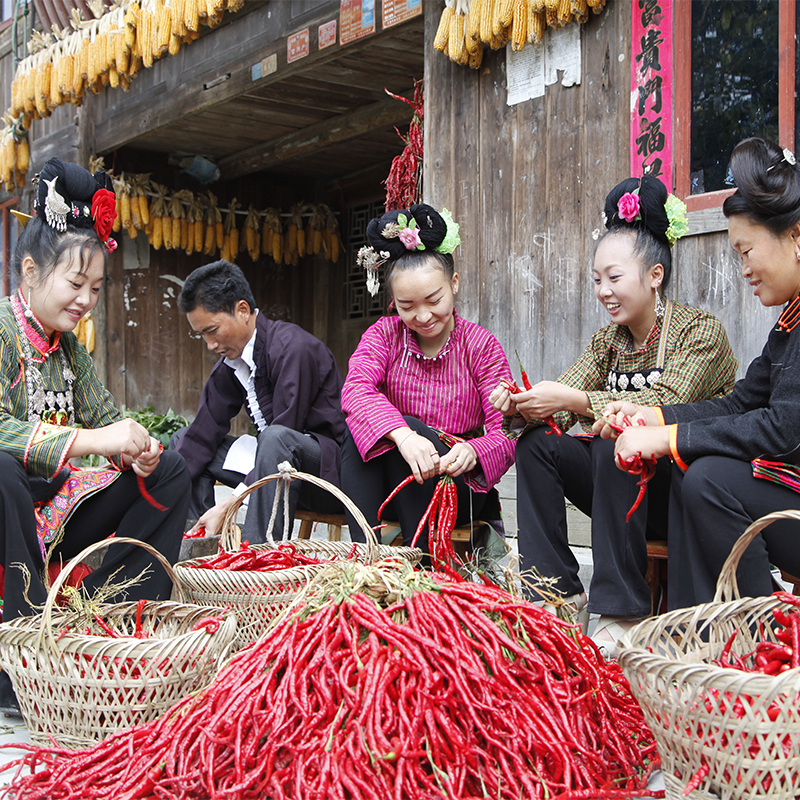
{"x":356,"y":20}
{"x":326,"y":35}
{"x":537,"y":66}
{"x":297,"y":46}
{"x":397,"y":11}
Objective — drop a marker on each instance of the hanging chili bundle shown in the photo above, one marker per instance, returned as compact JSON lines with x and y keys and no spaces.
{"x":404,"y":181}
{"x":385,"y":683}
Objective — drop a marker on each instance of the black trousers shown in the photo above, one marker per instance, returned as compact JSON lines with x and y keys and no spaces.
{"x":120,"y":507}
{"x":553,"y":468}
{"x":711,"y":505}
{"x":369,"y":483}
{"x":276,"y":443}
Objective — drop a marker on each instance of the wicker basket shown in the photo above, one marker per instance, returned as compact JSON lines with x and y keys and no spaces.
{"x":78,"y":689}
{"x":751,"y":751}
{"x":258,"y":597}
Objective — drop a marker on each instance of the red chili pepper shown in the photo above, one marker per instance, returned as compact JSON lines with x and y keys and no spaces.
{"x":139,"y":632}
{"x":147,"y":496}
{"x":696,"y":780}
{"x":393,"y":493}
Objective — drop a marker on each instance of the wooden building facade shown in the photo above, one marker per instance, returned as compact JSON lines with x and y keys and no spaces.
{"x":526,"y":181}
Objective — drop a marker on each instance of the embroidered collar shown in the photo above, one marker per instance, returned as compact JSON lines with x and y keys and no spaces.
{"x":32,"y":329}
{"x":411,"y":345}
{"x":790,"y":318}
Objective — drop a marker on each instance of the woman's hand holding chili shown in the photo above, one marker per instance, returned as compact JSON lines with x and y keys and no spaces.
{"x":459,"y":459}
{"x":145,"y":463}
{"x":503,"y":400}
{"x":621,"y":414}
{"x":641,"y":440}
{"x":125,"y":437}
{"x":420,"y":454}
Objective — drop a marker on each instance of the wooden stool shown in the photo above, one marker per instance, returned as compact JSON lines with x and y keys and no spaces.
{"x":333,"y":521}
{"x":656,"y":575}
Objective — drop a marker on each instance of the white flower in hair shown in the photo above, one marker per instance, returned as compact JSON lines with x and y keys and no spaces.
{"x":788,"y":156}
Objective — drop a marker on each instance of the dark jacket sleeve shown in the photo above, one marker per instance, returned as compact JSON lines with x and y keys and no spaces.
{"x":306,"y":388}
{"x":220,"y":401}
{"x":761,"y":417}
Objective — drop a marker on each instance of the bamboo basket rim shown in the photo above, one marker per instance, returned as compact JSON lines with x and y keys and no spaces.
{"x":231,"y":536}
{"x":45,"y":633}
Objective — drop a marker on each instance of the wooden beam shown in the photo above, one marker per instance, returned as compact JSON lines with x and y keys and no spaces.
{"x":213,"y":70}
{"x":315,"y":137}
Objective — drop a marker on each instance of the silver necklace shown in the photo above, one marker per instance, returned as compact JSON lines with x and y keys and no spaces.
{"x":46,"y":405}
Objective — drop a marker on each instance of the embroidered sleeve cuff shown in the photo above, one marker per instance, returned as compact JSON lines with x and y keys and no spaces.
{"x":673,"y":447}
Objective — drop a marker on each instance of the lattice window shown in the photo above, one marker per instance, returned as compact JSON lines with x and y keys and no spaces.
{"x":359,"y":303}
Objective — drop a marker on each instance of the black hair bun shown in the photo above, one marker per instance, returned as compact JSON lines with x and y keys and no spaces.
{"x":74,"y":185}
{"x":652,"y":206}
{"x":430,"y":224}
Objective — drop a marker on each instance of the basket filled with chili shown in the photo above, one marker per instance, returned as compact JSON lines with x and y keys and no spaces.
{"x":719,"y":685}
{"x":81,"y":675}
{"x":260,"y":581}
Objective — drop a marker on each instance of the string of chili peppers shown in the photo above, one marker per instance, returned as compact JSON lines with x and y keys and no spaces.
{"x":403,"y":183}
{"x":645,"y":468}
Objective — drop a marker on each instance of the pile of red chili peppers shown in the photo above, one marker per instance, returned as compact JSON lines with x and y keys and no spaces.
{"x":284,"y":556}
{"x":390,"y":684}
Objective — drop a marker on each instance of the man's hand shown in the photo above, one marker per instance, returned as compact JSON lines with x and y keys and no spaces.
{"x":213,"y":518}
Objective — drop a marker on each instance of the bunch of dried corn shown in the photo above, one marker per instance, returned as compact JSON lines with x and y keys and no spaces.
{"x":14,"y":154}
{"x":272,"y":235}
{"x":108,"y":50}
{"x":230,"y":240}
{"x":252,"y":233}
{"x":214,"y":233}
{"x":466,"y":26}
{"x":84,"y":331}
{"x":316,"y":225}
{"x":194,"y":220}
{"x":179,"y":233}
{"x":294,"y":246}
{"x":159,"y":219}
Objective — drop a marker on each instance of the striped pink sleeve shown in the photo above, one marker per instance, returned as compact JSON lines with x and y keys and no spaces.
{"x":370,"y":415}
{"x":494,"y":449}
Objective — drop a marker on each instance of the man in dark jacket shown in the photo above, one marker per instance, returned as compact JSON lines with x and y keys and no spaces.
{"x":288,"y":382}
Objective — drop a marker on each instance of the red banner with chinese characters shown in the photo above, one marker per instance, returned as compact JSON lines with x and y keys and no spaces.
{"x":651,"y":89}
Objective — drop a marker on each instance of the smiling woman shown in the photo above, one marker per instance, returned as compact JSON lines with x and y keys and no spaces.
{"x":416,"y":396}
{"x":653,"y":348}
{"x":718,"y":446}
{"x":54,"y":408}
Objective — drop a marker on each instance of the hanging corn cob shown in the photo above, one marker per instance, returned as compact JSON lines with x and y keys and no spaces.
{"x":230,"y":242}
{"x":331,"y":244}
{"x":158,"y":213}
{"x":314,"y":234}
{"x":212,"y":241}
{"x":271,"y":238}
{"x":194,"y":217}
{"x":177,"y":212}
{"x":252,"y":233}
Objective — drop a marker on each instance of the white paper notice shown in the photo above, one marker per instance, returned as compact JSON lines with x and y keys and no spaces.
{"x":537,"y":66}
{"x":242,"y":455}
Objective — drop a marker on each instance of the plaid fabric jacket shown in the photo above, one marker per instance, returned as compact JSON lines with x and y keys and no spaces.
{"x":43,"y":448}
{"x":698,"y":364}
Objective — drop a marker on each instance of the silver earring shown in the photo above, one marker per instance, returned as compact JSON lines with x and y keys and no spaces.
{"x":659,"y":307}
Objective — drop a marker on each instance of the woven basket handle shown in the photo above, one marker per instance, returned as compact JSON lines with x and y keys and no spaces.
{"x":46,"y":626}
{"x":727,"y":586}
{"x":231,"y":537}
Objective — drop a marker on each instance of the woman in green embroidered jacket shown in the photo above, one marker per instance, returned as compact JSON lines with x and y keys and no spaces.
{"x":53,"y":408}
{"x":653,"y":348}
